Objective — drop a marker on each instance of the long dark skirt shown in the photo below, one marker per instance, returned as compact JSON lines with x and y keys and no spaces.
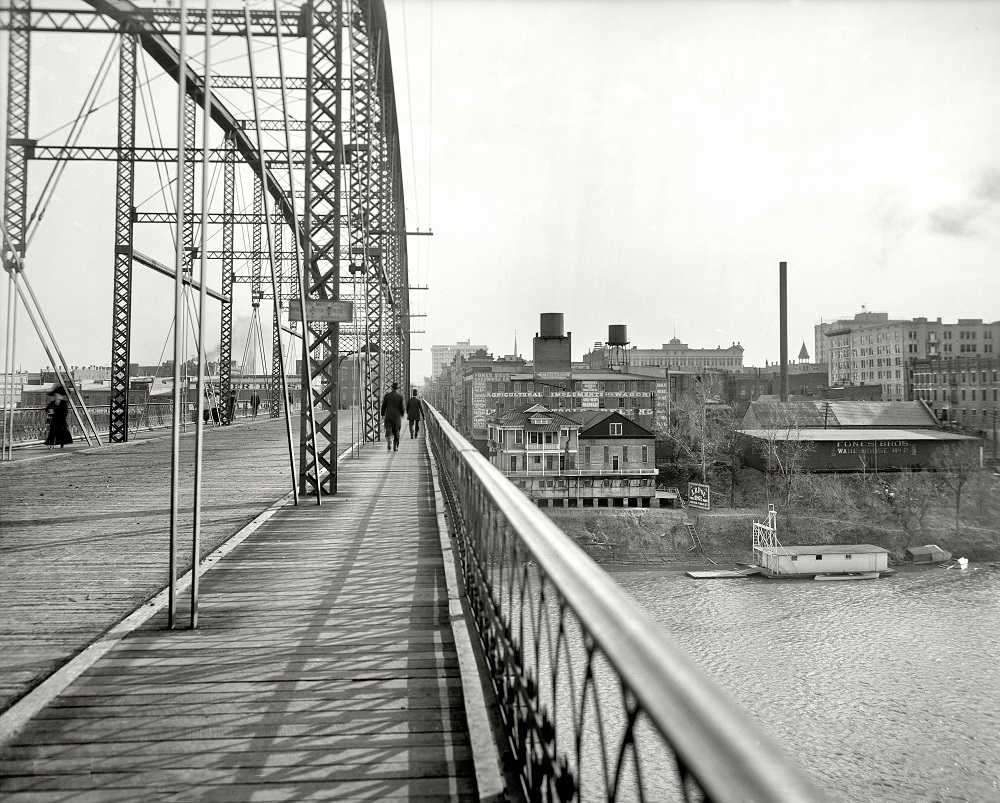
{"x":59,"y":434}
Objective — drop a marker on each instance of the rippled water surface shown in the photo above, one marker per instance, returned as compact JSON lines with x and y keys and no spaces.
{"x":884,"y":690}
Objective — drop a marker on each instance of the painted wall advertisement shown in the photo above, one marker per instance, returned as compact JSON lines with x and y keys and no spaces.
{"x":699,"y":496}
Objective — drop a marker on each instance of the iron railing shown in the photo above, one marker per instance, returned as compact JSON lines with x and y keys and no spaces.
{"x":31,"y":424}
{"x":597,"y":702}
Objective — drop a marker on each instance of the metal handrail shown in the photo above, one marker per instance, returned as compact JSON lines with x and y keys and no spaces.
{"x":533,"y":591}
{"x":31,"y":424}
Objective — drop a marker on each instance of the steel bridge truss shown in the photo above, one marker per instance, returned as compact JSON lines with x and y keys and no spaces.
{"x":351,"y":231}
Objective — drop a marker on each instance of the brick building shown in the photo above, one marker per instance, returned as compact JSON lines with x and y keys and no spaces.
{"x":960,"y":389}
{"x":564,"y":459}
{"x":872,"y":349}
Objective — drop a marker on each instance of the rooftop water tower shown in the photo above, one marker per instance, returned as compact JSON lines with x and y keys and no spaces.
{"x":618,"y":347}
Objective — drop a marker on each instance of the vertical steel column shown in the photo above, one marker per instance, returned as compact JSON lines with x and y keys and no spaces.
{"x":257,"y":257}
{"x":368,"y":221}
{"x":121,"y":312}
{"x":16,"y":156}
{"x":226,"y":341}
{"x":276,"y":323}
{"x":322,"y":223}
{"x":15,"y":183}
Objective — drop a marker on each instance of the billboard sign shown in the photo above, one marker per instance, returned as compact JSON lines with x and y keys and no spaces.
{"x":699,"y":496}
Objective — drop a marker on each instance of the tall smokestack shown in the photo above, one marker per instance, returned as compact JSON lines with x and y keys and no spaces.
{"x":783,"y":325}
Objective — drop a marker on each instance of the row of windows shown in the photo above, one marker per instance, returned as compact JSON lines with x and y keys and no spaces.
{"x":932,"y":395}
{"x":689,"y":362}
{"x":924,"y":378}
{"x":587,"y":483}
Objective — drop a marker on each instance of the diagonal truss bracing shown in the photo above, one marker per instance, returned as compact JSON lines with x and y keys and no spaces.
{"x":352,"y":183}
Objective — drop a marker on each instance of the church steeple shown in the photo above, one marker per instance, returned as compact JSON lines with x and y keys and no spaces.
{"x":803,"y":353}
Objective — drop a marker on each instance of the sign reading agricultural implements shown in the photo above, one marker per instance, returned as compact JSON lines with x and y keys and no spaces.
{"x":699,"y":496}
{"x":322,"y":310}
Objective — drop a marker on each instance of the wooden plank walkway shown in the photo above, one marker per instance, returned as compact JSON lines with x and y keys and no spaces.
{"x":84,"y":534}
{"x":324,"y":668}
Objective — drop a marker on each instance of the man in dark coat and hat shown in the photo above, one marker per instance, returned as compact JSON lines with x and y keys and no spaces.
{"x":392,"y":412}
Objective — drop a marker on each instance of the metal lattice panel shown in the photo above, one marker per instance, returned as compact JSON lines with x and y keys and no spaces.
{"x":278,"y":268}
{"x":121,"y":310}
{"x":324,"y":159}
{"x":228,"y":234}
{"x":18,"y":74}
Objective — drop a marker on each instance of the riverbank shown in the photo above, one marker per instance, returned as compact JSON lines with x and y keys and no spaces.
{"x":658,"y":536}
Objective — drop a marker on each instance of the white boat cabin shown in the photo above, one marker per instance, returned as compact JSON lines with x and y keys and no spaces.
{"x":825,"y":559}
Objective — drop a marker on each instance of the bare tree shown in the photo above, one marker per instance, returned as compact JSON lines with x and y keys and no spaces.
{"x":784,"y":454}
{"x":687,"y":427}
{"x":955,"y":466}
{"x":912,"y":501}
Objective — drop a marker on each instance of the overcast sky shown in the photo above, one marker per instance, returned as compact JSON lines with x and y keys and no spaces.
{"x":646,"y":164}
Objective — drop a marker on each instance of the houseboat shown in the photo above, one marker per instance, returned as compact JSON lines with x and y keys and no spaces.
{"x":824,"y":562}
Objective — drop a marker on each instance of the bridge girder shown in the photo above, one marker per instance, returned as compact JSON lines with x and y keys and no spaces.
{"x":323,"y":235}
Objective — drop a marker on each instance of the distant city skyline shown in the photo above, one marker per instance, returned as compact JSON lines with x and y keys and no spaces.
{"x":654,"y":185}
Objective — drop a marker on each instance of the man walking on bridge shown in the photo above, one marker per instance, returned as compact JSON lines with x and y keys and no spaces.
{"x":392,"y":412}
{"x":413,"y":414}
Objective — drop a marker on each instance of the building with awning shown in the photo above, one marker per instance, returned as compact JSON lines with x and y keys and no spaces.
{"x":846,"y":436}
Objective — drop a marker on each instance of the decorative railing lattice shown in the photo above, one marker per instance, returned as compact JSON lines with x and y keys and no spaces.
{"x":596,"y":700}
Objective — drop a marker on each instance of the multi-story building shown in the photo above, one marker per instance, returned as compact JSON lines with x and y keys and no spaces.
{"x":673,"y":355}
{"x":872,"y":349}
{"x":477,"y":387}
{"x":442,"y":356}
{"x":962,"y":389}
{"x":564,"y":459}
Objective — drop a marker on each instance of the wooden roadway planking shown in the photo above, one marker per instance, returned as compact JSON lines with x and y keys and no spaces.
{"x":324,"y":667}
{"x":84,"y":534}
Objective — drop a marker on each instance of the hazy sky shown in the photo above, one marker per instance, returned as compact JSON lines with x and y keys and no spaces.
{"x":647,"y":164}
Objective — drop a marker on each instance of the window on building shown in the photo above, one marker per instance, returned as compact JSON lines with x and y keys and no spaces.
{"x":625,"y":454}
{"x":586,"y":454}
{"x":819,"y":557}
{"x":616,"y":429}
{"x":606,"y":454}
{"x":519,"y":436}
{"x":645,"y":449}
{"x":536,"y":459}
{"x":513,"y":463}
{"x":548,"y":437}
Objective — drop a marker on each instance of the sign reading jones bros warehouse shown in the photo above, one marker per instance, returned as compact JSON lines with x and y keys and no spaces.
{"x":874,"y":447}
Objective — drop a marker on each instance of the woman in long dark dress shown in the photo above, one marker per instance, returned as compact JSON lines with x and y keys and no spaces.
{"x":59,"y":434}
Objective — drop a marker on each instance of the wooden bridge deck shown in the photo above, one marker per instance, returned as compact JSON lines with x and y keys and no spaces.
{"x":324,"y":667}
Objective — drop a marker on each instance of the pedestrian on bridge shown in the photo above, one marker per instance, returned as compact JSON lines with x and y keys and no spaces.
{"x":58,"y":410}
{"x":413,"y":414}
{"x":392,"y":413}
{"x":254,"y":403}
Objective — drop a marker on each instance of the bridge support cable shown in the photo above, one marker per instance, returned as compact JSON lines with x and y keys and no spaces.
{"x":307,"y":415}
{"x":26,"y":293}
{"x":121,"y":305}
{"x":275,"y":267}
{"x":180,"y":263}
{"x":322,"y":222}
{"x":9,"y":355}
{"x":226,"y":335}
{"x":199,"y":426}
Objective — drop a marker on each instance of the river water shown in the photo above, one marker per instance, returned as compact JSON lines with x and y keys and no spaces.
{"x":883,"y":690}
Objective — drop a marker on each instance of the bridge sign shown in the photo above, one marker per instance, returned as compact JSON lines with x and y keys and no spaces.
{"x":322,"y":309}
